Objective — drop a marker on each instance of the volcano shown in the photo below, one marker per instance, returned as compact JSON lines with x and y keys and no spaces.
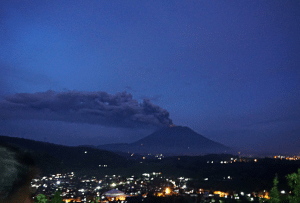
{"x":171,"y":141}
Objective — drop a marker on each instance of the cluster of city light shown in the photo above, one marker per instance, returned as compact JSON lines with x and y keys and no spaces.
{"x":222,"y":162}
{"x":291,"y":158}
{"x":169,"y":186}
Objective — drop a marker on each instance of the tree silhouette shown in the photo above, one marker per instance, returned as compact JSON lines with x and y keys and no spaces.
{"x":41,"y":199}
{"x":274,"y":193}
{"x":294,"y":183}
{"x":57,"y":198}
{"x":97,"y":199}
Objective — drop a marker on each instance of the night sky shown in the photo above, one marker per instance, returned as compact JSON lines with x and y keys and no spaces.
{"x":97,"y":72}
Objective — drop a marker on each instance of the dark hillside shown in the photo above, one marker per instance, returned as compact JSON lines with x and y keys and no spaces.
{"x":59,"y":158}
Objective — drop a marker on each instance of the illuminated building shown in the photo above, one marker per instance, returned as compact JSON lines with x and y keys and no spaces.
{"x":113,"y":195}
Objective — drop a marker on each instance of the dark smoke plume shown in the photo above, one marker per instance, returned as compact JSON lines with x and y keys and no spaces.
{"x":101,"y":108}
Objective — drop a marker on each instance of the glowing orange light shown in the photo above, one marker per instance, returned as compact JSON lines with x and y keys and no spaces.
{"x":220,"y":193}
{"x":159,"y":194}
{"x":168,"y":191}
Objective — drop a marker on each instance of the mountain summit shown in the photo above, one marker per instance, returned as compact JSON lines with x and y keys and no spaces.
{"x":171,"y":140}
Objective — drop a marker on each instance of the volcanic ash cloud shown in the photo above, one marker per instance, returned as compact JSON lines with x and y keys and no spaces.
{"x":101,"y":108}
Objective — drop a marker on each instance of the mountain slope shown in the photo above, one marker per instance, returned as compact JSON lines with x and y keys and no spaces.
{"x":57,"y":158}
{"x":173,"y":140}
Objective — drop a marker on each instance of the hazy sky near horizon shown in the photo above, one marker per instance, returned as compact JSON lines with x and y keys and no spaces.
{"x":229,"y":70}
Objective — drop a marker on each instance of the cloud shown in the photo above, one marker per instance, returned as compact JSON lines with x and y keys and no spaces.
{"x":99,"y":108}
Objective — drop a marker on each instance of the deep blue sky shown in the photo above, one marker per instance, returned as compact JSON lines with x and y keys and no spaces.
{"x":230,"y":70}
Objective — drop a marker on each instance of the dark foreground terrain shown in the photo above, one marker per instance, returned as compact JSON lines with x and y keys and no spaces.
{"x":217,"y":172}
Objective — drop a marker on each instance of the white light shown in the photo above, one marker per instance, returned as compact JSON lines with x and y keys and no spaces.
{"x":58,"y":182}
{"x":282,"y":192}
{"x":85,"y":152}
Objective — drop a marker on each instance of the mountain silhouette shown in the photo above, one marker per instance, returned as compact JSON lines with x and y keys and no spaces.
{"x":171,"y":141}
{"x":54,"y":158}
